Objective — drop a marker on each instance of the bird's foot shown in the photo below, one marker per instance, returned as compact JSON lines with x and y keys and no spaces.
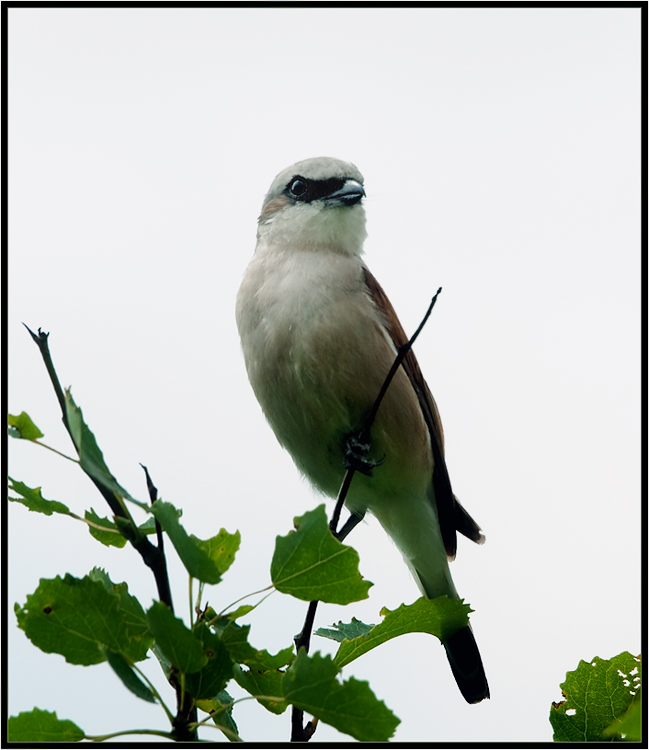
{"x":355,"y":451}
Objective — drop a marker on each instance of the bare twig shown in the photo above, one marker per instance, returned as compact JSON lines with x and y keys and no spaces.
{"x":41,"y":341}
{"x":153,"y":496}
{"x":402,"y":352}
{"x":303,"y":640}
{"x":401,"y":355}
{"x":299,"y":732}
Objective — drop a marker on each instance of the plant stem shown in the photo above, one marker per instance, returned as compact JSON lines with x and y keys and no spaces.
{"x":103,"y":737}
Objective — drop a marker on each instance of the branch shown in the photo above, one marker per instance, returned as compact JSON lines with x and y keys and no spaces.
{"x":402,"y":352}
{"x":109,"y":497}
{"x":153,"y":557}
{"x":41,"y":342}
{"x":160,"y":571}
{"x":185,"y":722}
{"x":299,"y":732}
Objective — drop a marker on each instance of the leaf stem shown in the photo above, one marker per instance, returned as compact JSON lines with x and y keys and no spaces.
{"x":103,"y":737}
{"x":240,"y":599}
{"x":49,"y":448}
{"x":155,"y":693}
{"x":199,"y":598}
{"x":191,"y":603}
{"x":210,"y":718}
{"x":93,"y":524}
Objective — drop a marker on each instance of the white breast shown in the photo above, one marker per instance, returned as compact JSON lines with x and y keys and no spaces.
{"x":316,"y":356}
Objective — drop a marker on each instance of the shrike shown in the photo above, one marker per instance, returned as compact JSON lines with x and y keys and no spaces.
{"x":319,"y":336}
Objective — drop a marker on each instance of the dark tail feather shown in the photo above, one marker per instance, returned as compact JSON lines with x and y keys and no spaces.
{"x":464,"y":658}
{"x":466,"y":525}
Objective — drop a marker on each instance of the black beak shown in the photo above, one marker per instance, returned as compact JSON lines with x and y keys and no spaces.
{"x":349,"y":194}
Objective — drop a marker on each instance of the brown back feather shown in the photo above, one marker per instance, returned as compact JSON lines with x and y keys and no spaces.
{"x":452,"y":516}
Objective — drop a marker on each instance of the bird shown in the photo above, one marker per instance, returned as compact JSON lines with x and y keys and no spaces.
{"x":318,"y":336}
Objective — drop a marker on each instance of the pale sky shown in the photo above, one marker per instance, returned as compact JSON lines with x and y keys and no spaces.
{"x":501,"y":155}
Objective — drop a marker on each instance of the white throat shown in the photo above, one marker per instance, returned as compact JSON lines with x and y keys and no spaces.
{"x":312,"y":226}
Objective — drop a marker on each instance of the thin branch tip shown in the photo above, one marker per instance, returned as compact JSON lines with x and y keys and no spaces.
{"x":38,"y":337}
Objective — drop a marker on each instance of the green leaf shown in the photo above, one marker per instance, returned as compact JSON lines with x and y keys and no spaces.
{"x":221,"y":548}
{"x":263,"y":660}
{"x":42,"y":726}
{"x":240,"y":611}
{"x":196,"y":560}
{"x":235,"y":639}
{"x":628,"y":726}
{"x":596,"y":693}
{"x":33,"y":499}
{"x":111,"y":537}
{"x":440,"y":617}
{"x":311,"y":563}
{"x":166,"y":665}
{"x":23,"y":427}
{"x":220,"y":709}
{"x":311,"y":684}
{"x":127,"y":675}
{"x":140,"y":637}
{"x":213,"y":677}
{"x":175,"y":640}
{"x":148,"y":527}
{"x":345,"y":631}
{"x":260,"y":682}
{"x":263,"y":676}
{"x":90,"y":456}
{"x":74,"y":617}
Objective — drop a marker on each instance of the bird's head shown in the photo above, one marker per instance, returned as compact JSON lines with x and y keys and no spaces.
{"x":315,"y":204}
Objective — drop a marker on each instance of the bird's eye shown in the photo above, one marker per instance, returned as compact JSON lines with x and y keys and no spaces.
{"x":298,"y":188}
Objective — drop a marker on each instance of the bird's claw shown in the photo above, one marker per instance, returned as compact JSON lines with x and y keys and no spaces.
{"x":355,"y":452}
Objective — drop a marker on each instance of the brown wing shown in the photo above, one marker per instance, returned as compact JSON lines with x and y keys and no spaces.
{"x":452,"y":516}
